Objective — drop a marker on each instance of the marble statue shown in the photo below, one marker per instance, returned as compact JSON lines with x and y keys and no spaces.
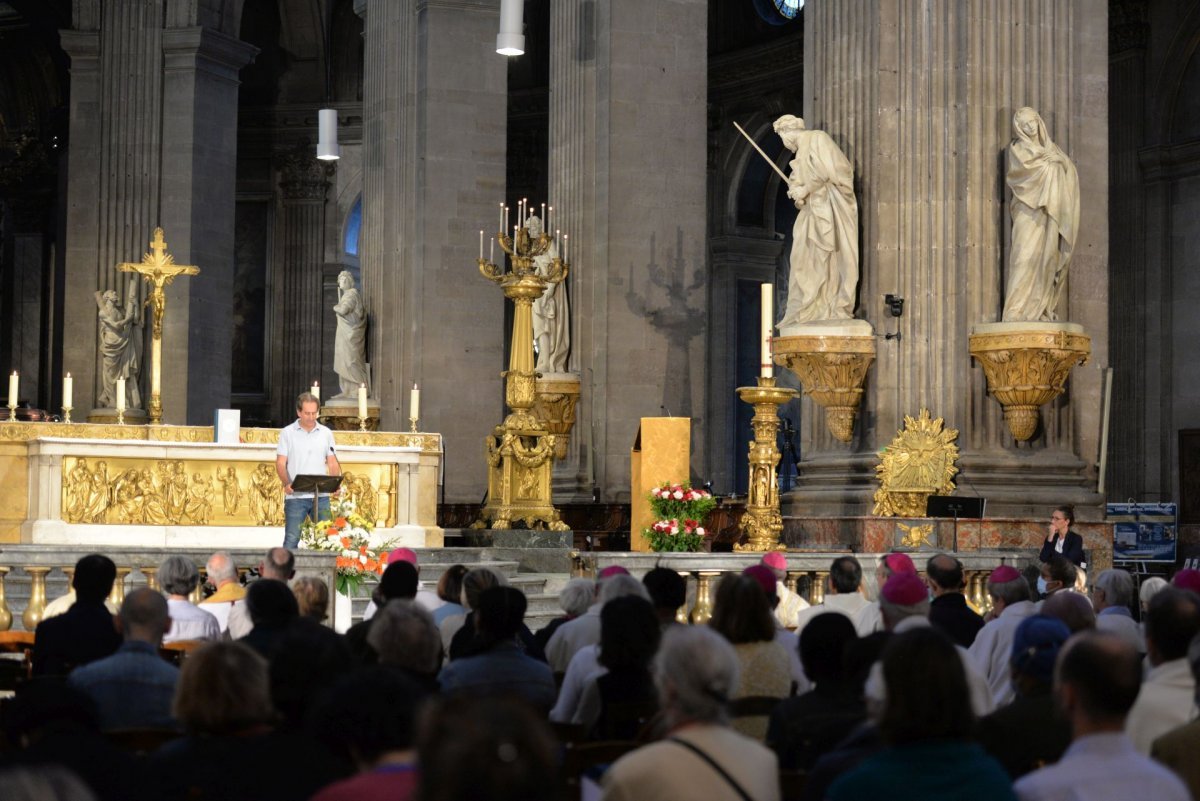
{"x":823,"y":278}
{"x":350,"y":342}
{"x":120,"y":347}
{"x":1045,"y":220}
{"x":551,"y":317}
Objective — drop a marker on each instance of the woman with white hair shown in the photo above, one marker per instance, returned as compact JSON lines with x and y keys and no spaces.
{"x":178,"y":578}
{"x":696,"y":673}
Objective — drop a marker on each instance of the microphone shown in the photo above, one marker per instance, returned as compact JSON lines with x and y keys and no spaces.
{"x":663,"y":408}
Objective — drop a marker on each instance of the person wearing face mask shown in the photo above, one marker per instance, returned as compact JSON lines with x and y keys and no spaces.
{"x":1061,"y":541}
{"x":1058,"y":574}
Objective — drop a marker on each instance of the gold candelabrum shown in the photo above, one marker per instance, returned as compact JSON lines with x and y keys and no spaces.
{"x":762,"y":522}
{"x":521,"y":450}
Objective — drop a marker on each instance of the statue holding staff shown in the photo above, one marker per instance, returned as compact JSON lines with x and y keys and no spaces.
{"x":120,"y":347}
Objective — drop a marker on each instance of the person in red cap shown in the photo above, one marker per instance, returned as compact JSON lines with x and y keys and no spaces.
{"x":790,"y":605}
{"x":869,"y":620}
{"x":992,"y":648}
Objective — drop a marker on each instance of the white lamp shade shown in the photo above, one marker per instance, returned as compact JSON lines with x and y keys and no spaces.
{"x":511,"y":40}
{"x":327,"y":142}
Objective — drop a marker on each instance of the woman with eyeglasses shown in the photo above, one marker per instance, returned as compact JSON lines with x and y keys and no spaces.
{"x":1061,"y":541}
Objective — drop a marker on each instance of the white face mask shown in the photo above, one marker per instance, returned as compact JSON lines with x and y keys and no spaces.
{"x":1041,"y":585}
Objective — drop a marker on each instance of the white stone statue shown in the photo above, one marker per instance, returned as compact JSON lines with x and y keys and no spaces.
{"x":823,"y":278}
{"x":120,"y":347}
{"x":350,"y":342}
{"x":551,"y":317}
{"x":1045,"y":221}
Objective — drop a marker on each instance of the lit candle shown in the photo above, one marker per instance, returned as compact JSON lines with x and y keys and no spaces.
{"x":362,"y":401}
{"x":492,"y":251}
{"x":481,"y":243}
{"x":121,"y":394}
{"x":768,"y":314}
{"x":501,"y":228}
{"x":566,"y":246}
{"x":315,"y":390}
{"x":14,"y":382}
{"x":504,"y":226}
{"x":68,"y":387}
{"x":558,"y":241}
{"x":549,"y":220}
{"x":543,"y":216}
{"x":414,"y":403}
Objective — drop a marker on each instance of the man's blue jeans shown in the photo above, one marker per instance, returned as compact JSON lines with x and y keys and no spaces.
{"x":295,"y":510}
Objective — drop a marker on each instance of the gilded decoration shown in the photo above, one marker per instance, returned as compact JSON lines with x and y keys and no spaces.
{"x":831,"y":370}
{"x":196,"y":492}
{"x":1027,"y":368}
{"x":916,"y":536}
{"x":555,"y":407}
{"x":918,"y":463}
{"x":762,"y":523}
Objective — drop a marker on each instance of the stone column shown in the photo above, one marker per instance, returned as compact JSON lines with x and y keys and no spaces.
{"x":297,"y":299}
{"x":434,"y":148}
{"x":920,"y":96}
{"x":628,"y":154}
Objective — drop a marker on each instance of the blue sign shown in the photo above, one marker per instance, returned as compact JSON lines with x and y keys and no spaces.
{"x":1143,"y":532}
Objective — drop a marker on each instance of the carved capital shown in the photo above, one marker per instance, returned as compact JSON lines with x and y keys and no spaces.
{"x":555,"y":407}
{"x":302,"y":176}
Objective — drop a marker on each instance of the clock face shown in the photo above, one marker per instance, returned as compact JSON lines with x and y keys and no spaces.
{"x":789,"y":8}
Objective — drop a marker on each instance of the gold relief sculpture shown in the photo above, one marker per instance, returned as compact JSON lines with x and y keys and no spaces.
{"x":174,"y":492}
{"x":555,"y":407}
{"x":918,"y":463}
{"x":915,"y":536}
{"x":831,"y":370}
{"x":1027,"y":368}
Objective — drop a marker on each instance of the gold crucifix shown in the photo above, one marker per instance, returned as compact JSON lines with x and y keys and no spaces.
{"x":159,"y":269}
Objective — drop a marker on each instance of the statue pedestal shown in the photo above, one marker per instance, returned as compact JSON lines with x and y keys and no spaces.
{"x":1027,"y":365}
{"x":831,"y":359}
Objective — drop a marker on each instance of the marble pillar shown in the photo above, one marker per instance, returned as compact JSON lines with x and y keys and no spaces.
{"x":920,"y":97}
{"x":153,"y":118}
{"x":628,"y":155}
{"x":434,"y":150}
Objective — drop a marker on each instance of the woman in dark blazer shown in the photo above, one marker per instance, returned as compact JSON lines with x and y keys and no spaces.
{"x":1061,"y":541}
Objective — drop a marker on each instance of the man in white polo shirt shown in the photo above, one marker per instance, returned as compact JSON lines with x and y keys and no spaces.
{"x":305,"y":448}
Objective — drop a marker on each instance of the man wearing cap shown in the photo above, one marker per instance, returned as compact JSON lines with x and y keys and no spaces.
{"x":992,"y":648}
{"x":949,"y":610}
{"x":869,"y":620}
{"x":843,"y":592}
{"x":790,"y":604}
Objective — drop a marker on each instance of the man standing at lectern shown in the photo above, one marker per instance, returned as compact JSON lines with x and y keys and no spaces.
{"x":305,"y":448}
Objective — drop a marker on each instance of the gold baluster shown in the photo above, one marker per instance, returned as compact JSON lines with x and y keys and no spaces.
{"x":792,"y":579}
{"x":151,"y":574}
{"x":681,"y":614}
{"x":117,"y":596}
{"x":197,"y":594}
{"x":704,"y":606}
{"x":5,"y":612}
{"x":37,"y":597}
{"x":817,"y":588}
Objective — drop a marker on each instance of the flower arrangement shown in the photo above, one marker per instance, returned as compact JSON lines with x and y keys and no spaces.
{"x":680,"y":511}
{"x":347,"y":534}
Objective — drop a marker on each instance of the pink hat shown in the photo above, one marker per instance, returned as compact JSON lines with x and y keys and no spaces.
{"x":899,"y":563}
{"x":776,"y":560}
{"x":1187,"y":579}
{"x":904,"y":589}
{"x":613,"y":570}
{"x":403,"y":555}
{"x":1004,"y":574}
{"x":764,"y":577}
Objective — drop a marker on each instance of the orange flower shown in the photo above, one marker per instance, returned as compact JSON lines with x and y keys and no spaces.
{"x":346,"y":542}
{"x":372,"y":565}
{"x":340,"y":522}
{"x":330,"y":532}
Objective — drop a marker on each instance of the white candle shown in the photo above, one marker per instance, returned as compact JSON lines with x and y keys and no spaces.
{"x":504,"y":225}
{"x":566,"y":246}
{"x":121,"y":394}
{"x":501,"y":228}
{"x":362,"y":401}
{"x":492,"y":251}
{"x":414,"y":403}
{"x":549,"y":220}
{"x":315,"y":390}
{"x":481,"y":243}
{"x":68,"y":389}
{"x":543,"y":216}
{"x":768,"y":314}
{"x":14,"y":382}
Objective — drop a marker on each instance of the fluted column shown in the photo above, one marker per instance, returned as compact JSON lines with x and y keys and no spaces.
{"x":920,"y":96}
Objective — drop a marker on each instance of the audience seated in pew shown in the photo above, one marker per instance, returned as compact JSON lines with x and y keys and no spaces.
{"x":85,"y":632}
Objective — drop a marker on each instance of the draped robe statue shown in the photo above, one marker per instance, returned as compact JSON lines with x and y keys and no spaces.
{"x":350,"y":341}
{"x":551,"y":317}
{"x":120,"y":347}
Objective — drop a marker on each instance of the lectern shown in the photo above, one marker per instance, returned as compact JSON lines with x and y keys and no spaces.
{"x":661,"y":454}
{"x":317,"y":485}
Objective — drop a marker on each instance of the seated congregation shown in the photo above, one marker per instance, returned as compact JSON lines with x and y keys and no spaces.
{"x":444,"y":693}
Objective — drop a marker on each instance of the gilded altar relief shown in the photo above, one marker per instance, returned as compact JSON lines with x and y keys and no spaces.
{"x":194,"y":492}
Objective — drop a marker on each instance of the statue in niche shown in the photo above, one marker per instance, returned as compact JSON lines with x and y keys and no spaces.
{"x":120,"y":347}
{"x":1045,"y":221}
{"x":350,"y":342}
{"x":823,"y":279}
{"x":551,"y":317}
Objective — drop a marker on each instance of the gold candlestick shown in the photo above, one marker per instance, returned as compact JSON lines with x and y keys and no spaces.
{"x":762,"y":522}
{"x":120,"y":416}
{"x":362,"y":424}
{"x":413,"y":422}
{"x":67,"y":413}
{"x":12,"y":413}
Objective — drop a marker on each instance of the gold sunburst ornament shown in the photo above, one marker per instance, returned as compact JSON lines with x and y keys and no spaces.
{"x":918,"y":463}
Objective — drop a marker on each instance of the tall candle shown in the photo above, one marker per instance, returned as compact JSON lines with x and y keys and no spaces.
{"x":566,"y":246}
{"x":543,"y":216}
{"x":492,"y":251}
{"x":768,"y":315}
{"x":362,"y":401}
{"x":14,"y":382}
{"x":68,"y":389}
{"x":481,"y":243}
{"x":315,"y":390}
{"x":501,"y":228}
{"x":121,"y":394}
{"x":414,"y":403}
{"x":504,"y":225}
{"x":549,"y":219}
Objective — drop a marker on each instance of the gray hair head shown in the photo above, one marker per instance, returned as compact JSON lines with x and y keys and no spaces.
{"x":220,"y":567}
{"x":696,"y":672}
{"x":177,"y":575}
{"x":1150,"y":588}
{"x":1117,"y":585}
{"x":619,"y":585}
{"x":894,"y":613}
{"x":403,"y":634}
{"x":577,"y":596}
{"x":1010,"y":592}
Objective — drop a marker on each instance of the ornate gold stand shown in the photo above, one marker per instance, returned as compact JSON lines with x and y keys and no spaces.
{"x":555,"y":407}
{"x":1027,"y":365}
{"x":520,"y":451}
{"x":762,"y":523}
{"x":831,"y":369}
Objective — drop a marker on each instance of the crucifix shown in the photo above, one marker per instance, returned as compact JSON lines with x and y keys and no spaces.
{"x":160,"y":269}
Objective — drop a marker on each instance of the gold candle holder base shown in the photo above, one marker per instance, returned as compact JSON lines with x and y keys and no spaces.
{"x":413,"y":423}
{"x":762,"y":522}
{"x":67,"y":413}
{"x":120,"y":417}
{"x":362,"y":424}
{"x":12,"y":413}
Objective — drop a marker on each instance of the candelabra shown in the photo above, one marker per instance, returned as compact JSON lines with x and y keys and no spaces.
{"x":762,"y":522}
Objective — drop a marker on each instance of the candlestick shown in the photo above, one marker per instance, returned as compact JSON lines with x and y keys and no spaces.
{"x":501,"y":228}
{"x":566,"y":246}
{"x":492,"y":251}
{"x":768,"y":314}
{"x":121,"y":396}
{"x":14,"y":382}
{"x":550,"y":219}
{"x":543,"y":216}
{"x":67,"y":413}
{"x":362,"y":400}
{"x":481,"y":243}
{"x":414,"y":403}
{"x":504,"y":225}
{"x":315,"y":391}
{"x":68,"y":390}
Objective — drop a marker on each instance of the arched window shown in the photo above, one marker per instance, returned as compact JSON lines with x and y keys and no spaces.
{"x":353,"y":229}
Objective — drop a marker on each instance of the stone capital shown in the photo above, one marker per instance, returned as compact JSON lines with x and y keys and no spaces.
{"x":302,"y":175}
{"x":206,"y":50}
{"x":83,"y":48}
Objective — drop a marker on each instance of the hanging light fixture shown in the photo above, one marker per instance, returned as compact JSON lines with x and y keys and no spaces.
{"x":327,"y":141}
{"x":511,"y":40}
